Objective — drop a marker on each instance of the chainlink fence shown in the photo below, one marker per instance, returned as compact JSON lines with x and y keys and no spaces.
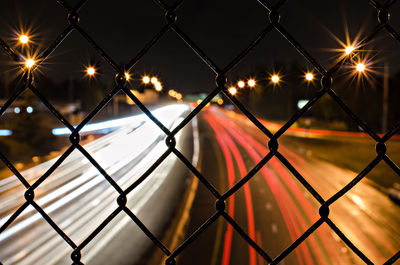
{"x":382,"y":24}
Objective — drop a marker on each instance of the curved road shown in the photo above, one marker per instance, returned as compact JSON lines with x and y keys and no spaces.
{"x":274,"y":208}
{"x":78,"y":198}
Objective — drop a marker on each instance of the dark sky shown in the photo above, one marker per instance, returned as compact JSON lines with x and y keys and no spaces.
{"x":221,"y":28}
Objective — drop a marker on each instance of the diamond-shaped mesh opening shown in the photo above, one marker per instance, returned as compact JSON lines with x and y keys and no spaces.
{"x":168,"y":61}
{"x":32,"y":19}
{"x":31,"y":141}
{"x":84,"y":193}
{"x":123,"y":242}
{"x":70,"y":62}
{"x":378,"y":239}
{"x":130,"y":29}
{"x":212,"y":39}
{"x":34,"y":250}
{"x":325,"y":36}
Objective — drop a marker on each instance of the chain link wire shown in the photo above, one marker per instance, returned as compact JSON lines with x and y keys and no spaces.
{"x":383,"y":24}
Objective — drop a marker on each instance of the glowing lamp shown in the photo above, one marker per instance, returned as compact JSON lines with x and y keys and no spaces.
{"x":349,"y":49}
{"x":146,"y":79}
{"x":251,"y":83}
{"x":29,"y":63}
{"x":309,"y":76}
{"x":275,"y":79}
{"x":90,"y":71}
{"x":360,"y":67}
{"x":23,"y":39}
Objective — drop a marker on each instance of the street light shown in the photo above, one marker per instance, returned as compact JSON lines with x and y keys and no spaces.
{"x":349,"y":49}
{"x":360,"y":67}
{"x":309,"y":76}
{"x":158,"y":86}
{"x":241,"y":84}
{"x":90,"y":71}
{"x":127,"y":76}
{"x":146,"y":79}
{"x":172,"y":93}
{"x":29,"y":63}
{"x":251,"y":83}
{"x":29,"y":109}
{"x":154,"y":80}
{"x":232,"y":90}
{"x":275,"y":79}
{"x":24,"y":39}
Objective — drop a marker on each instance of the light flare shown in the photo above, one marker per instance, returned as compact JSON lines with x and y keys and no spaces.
{"x":29,"y":63}
{"x":349,"y":49}
{"x":360,"y":67}
{"x":24,"y":39}
{"x":232,"y":90}
{"x":158,"y":86}
{"x":146,"y":79}
{"x":90,"y":71}
{"x":154,"y":80}
{"x":309,"y":76}
{"x":275,"y":79}
{"x":251,"y":82}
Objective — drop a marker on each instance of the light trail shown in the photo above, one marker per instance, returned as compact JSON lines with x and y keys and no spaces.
{"x":304,"y":132}
{"x":226,"y":253}
{"x":247,"y":194}
{"x":294,"y":189}
{"x":110,"y":125}
{"x":278,"y":192}
{"x":340,"y":211}
{"x":4,"y":132}
{"x":67,"y":188}
{"x":328,"y":181}
{"x":325,"y":186}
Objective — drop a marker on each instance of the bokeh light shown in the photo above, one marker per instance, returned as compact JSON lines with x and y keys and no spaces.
{"x":146,"y":79}
{"x":29,"y":109}
{"x":158,"y":86}
{"x":90,"y":71}
{"x":154,"y":80}
{"x":349,"y":49}
{"x":309,"y":76}
{"x":275,"y":79}
{"x":30,"y":63}
{"x":360,"y":67}
{"x":251,"y":82}
{"x":24,"y":39}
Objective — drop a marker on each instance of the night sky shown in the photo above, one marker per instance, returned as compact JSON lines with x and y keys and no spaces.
{"x":221,"y":28}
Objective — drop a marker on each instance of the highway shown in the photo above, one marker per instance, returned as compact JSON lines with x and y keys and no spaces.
{"x":275,"y":209}
{"x":78,"y":198}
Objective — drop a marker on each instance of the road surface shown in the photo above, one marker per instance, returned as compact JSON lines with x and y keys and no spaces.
{"x":78,"y":198}
{"x":274,"y":209}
